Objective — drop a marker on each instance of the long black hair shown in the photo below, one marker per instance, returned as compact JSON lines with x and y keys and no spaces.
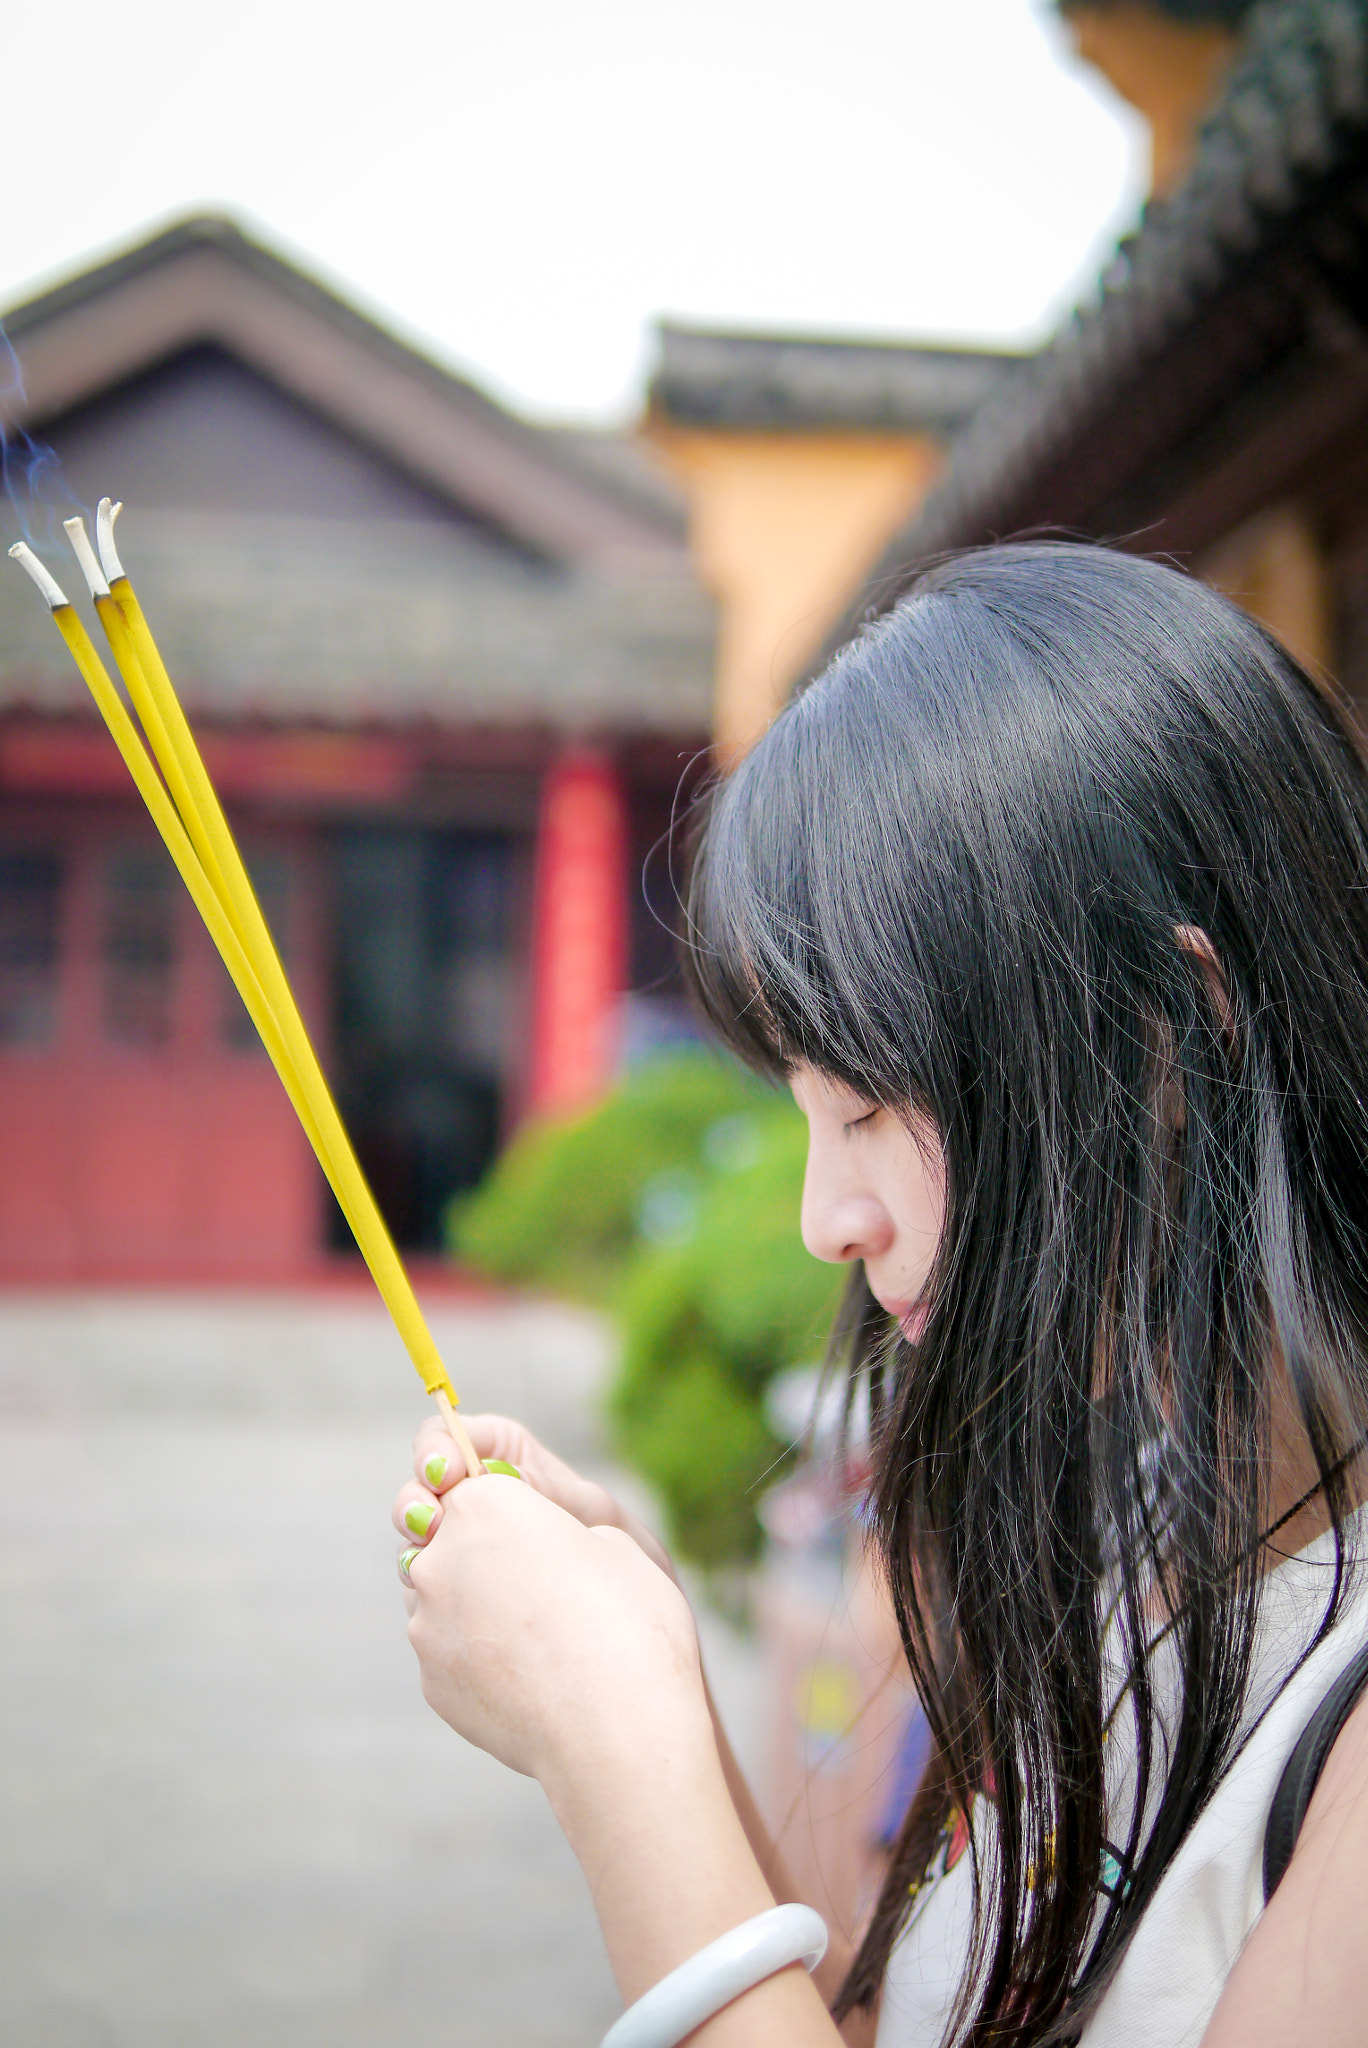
{"x":967,"y":872}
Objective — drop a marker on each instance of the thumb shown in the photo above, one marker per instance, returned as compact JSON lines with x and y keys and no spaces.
{"x":618,"y":1538}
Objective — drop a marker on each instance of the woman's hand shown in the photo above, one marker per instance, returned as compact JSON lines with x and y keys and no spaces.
{"x":550,"y":1631}
{"x":554,"y":1646}
{"x":558,"y":1539}
{"x":438,"y":1466}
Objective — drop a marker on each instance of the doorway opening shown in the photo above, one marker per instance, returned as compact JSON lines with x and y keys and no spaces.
{"x":423,"y":950}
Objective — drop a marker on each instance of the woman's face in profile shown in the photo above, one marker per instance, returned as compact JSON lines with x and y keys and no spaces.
{"x":874,"y":1190}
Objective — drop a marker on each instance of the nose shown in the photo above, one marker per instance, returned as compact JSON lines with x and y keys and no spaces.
{"x":841,"y":1220}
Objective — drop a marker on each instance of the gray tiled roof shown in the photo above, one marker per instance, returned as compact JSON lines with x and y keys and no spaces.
{"x":203,"y":280}
{"x":346,"y":624}
{"x":1289,"y":128}
{"x":1226,"y":13}
{"x":707,"y":377}
{"x":350,"y":534}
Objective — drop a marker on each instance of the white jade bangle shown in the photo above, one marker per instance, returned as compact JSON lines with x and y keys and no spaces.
{"x":719,"y":1973}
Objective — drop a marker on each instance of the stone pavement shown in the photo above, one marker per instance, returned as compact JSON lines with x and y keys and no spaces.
{"x":226,"y":1815}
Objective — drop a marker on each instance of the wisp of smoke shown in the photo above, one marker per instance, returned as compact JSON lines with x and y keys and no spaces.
{"x":31,"y":476}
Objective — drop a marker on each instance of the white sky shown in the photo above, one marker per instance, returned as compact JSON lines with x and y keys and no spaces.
{"x":523,"y":187}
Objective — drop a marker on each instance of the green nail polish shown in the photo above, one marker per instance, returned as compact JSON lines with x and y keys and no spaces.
{"x":418,"y":1516}
{"x":502,"y":1465}
{"x":435,"y":1470}
{"x":406,"y":1558}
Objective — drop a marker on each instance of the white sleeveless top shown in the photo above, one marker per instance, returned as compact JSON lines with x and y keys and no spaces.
{"x":1211,"y":1895}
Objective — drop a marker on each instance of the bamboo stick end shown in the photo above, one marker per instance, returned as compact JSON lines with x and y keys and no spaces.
{"x":473,"y":1462}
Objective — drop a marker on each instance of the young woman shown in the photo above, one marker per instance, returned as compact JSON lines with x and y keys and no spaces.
{"x":1049,"y":900}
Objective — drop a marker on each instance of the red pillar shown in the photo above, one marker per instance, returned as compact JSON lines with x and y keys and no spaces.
{"x":579,"y":933}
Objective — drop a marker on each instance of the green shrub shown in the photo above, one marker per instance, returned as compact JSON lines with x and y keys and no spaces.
{"x":675,"y":1203}
{"x":705,"y":1326}
{"x":706,"y":1450}
{"x":561,"y":1207}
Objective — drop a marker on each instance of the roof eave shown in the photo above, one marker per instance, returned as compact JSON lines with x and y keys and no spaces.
{"x":204,"y":279}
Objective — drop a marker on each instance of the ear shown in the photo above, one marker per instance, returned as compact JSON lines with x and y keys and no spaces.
{"x":1196,"y":943}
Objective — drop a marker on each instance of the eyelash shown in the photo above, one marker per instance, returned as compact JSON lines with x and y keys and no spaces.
{"x":855,"y":1122}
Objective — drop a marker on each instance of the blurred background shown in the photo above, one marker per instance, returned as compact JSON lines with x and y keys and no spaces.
{"x":511,"y":410}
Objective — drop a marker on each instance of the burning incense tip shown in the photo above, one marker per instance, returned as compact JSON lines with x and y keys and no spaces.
{"x":85,"y":555}
{"x":106,"y":512}
{"x":53,"y":593}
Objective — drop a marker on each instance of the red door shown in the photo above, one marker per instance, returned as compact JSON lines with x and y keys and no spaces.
{"x":143,"y":1132}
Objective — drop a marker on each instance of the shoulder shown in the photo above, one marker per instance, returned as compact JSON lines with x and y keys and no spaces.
{"x":1333,"y":1843}
{"x":1207,"y":1960}
{"x":1304,"y":1971}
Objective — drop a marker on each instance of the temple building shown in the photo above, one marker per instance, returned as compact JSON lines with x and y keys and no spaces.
{"x":799,"y":457}
{"x":448,"y":669}
{"x":1210,"y":402}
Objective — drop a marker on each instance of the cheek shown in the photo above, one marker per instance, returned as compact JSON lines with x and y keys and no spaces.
{"x":916,"y":1200}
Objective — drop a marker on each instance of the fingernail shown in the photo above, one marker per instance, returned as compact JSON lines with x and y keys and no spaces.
{"x":406,"y":1558}
{"x":502,"y":1465}
{"x":435,"y":1470}
{"x":418,"y":1516}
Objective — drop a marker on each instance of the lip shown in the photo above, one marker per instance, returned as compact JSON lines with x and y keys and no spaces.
{"x":912,"y":1322}
{"x":910,"y":1316}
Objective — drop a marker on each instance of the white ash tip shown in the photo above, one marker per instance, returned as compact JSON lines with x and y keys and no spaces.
{"x":52,"y":590}
{"x":85,"y":554}
{"x":106,"y":513}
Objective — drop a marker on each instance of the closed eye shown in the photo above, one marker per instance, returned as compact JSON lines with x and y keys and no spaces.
{"x":857,"y":1121}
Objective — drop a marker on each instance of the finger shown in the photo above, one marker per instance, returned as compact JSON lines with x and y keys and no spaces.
{"x":417,"y":1512}
{"x":616,"y":1539}
{"x":437,"y":1457}
{"x":406,"y":1559}
{"x":641,"y":1541}
{"x":499,"y":1436}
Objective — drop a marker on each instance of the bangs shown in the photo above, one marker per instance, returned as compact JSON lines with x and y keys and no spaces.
{"x":787,"y":951}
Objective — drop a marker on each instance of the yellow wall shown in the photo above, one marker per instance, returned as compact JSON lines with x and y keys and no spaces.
{"x":1168,"y":70}
{"x":1273,"y":565}
{"x":784,"y":527}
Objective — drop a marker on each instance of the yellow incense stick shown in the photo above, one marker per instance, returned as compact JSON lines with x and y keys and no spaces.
{"x":197,"y":836}
{"x":173,"y":747}
{"x":269,"y":999}
{"x":163,"y":814}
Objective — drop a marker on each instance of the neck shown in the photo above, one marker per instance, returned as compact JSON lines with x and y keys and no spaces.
{"x":1298,"y":1509}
